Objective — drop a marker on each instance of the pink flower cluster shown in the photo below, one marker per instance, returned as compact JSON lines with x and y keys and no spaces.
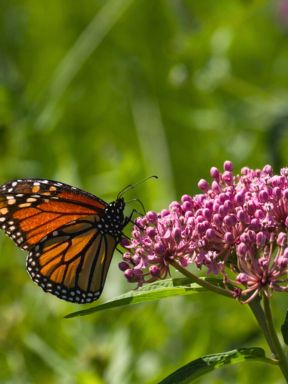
{"x":238,"y":223}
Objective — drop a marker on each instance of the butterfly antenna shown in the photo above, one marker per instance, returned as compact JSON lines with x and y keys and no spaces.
{"x":132,"y":186}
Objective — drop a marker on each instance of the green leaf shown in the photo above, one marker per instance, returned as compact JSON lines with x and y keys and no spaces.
{"x":150,"y":292}
{"x":284,"y":329}
{"x":206,"y":364}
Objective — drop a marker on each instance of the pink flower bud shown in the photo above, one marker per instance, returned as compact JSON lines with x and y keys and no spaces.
{"x":208,"y":204}
{"x":215,"y":187}
{"x":282,"y":262}
{"x":228,"y":166}
{"x":263,"y":196}
{"x":227,"y":177}
{"x":124,"y":242}
{"x":165,"y":212}
{"x":240,"y":197}
{"x":210,"y":234}
{"x":217,"y":219}
{"x":154,"y":270}
{"x":285,"y":194}
{"x":242,"y":278}
{"x":285,"y":254}
{"x":207,"y":213}
{"x":263,"y":262}
{"x":245,"y":171}
{"x":216,"y":205}
{"x":223,"y":197}
{"x":214,"y":173}
{"x":187,"y":198}
{"x":151,"y":232}
{"x":282,"y":239}
{"x":159,"y":248}
{"x":203,"y":185}
{"x":276,"y":192}
{"x":268,"y":169}
{"x":127,"y":256}
{"x":251,"y":207}
{"x":229,"y":238}
{"x":187,"y":206}
{"x":260,"y":239}
{"x":175,"y":206}
{"x":123,"y":266}
{"x":251,"y":236}
{"x":223,"y":210}
{"x":259,"y":214}
{"x":176,"y":233}
{"x":228,"y":204}
{"x":230,"y":220}
{"x":136,"y":259}
{"x":241,"y":216}
{"x":276,"y":181}
{"x":242,"y":250}
{"x":255,"y":225}
{"x":130,"y":275}
{"x":151,"y":217}
{"x":141,"y":222}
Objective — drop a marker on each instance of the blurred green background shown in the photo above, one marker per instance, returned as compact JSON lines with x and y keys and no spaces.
{"x":101,"y":94}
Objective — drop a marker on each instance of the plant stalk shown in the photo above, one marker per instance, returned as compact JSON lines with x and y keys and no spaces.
{"x":256,"y":308}
{"x":277,"y":348}
{"x":203,"y":283}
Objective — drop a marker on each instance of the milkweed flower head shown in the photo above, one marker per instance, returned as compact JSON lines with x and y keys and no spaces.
{"x":236,"y":228}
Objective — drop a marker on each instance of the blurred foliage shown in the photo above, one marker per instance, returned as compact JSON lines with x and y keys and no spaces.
{"x":101,"y":94}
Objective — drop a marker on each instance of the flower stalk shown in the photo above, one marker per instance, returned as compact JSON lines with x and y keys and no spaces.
{"x":277,"y":348}
{"x":203,"y":283}
{"x":259,"y":314}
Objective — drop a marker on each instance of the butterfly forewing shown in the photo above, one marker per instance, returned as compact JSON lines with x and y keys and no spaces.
{"x":31,"y":209}
{"x":70,"y":235}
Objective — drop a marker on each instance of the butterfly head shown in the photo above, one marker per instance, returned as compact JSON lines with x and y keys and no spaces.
{"x":116,"y":206}
{"x":114,"y":216}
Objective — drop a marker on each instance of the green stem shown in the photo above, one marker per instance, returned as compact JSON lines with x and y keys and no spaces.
{"x":203,"y":283}
{"x":277,"y":348}
{"x":259,"y":314}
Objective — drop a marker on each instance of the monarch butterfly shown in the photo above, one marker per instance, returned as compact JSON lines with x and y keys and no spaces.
{"x":70,"y":235}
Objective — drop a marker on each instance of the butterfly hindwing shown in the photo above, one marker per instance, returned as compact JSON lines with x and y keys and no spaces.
{"x":72,"y":263}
